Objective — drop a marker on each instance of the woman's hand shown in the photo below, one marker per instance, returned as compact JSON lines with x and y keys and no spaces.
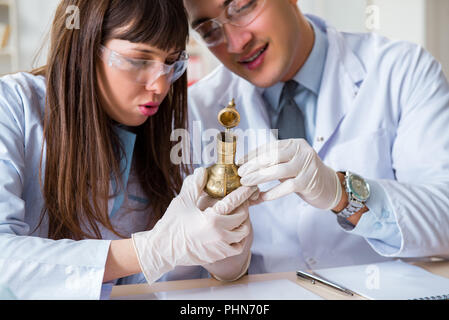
{"x":187,"y":235}
{"x":232,"y":268}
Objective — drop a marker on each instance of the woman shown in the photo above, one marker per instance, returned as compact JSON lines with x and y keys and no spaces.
{"x":85,"y":160}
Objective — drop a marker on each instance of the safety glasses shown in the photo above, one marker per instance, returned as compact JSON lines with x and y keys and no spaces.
{"x":238,"y":13}
{"x":145,"y":72}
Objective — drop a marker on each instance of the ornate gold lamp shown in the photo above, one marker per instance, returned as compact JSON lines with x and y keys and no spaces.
{"x":223,"y":176}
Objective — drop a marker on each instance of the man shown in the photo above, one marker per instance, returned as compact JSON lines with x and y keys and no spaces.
{"x":361,"y":171}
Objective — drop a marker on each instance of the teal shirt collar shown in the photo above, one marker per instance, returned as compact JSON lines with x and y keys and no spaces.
{"x":128,"y":140}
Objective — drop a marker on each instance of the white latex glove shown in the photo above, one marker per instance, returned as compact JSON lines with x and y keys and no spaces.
{"x":187,"y":236}
{"x":232,"y":268}
{"x":296,"y":164}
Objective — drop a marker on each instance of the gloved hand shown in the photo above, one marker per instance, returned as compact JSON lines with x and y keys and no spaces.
{"x":187,"y":236}
{"x":296,"y":164}
{"x":232,"y":268}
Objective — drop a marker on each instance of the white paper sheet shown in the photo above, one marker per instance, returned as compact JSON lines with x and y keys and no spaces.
{"x":265,"y":290}
{"x":393,"y":280}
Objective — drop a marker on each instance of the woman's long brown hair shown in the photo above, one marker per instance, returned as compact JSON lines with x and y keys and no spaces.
{"x":83,"y":152}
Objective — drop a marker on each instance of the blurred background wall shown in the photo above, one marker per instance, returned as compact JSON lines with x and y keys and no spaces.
{"x":425,"y":22}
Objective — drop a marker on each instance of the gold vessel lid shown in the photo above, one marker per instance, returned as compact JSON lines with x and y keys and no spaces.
{"x":229,"y":116}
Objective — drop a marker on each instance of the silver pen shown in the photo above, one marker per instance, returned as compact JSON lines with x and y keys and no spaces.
{"x":326,"y":282}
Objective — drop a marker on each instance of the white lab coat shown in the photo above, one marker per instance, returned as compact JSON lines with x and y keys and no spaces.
{"x":32,"y":266}
{"x":382,"y":112}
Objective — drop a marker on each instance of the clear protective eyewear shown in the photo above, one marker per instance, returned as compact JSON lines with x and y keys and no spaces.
{"x":238,"y":13}
{"x":145,"y":71}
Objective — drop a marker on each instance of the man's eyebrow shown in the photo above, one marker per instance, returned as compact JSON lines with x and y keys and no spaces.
{"x":199,"y":21}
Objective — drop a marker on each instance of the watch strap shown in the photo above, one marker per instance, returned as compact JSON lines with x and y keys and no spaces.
{"x":352,"y":208}
{"x":354,"y":205}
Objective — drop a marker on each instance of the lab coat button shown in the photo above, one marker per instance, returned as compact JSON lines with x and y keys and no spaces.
{"x":320,"y":139}
{"x":311,"y":261}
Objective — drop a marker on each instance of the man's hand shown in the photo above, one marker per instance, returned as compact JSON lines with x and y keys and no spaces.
{"x":355,"y":218}
{"x":296,"y":164}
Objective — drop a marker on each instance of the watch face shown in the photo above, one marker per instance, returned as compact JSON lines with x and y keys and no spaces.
{"x":359,"y":187}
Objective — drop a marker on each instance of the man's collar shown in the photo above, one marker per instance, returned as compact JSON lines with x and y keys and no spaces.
{"x":310,"y":75}
{"x":311,"y":72}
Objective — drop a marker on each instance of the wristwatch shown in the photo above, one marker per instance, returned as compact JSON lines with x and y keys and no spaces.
{"x":358,"y":191}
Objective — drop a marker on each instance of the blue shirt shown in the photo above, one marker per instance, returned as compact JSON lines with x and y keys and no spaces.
{"x":309,"y":80}
{"x":379,"y":222}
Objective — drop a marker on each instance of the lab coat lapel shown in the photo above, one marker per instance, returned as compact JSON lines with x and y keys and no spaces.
{"x":259,"y":118}
{"x":343,"y":74}
{"x":255,"y":127}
